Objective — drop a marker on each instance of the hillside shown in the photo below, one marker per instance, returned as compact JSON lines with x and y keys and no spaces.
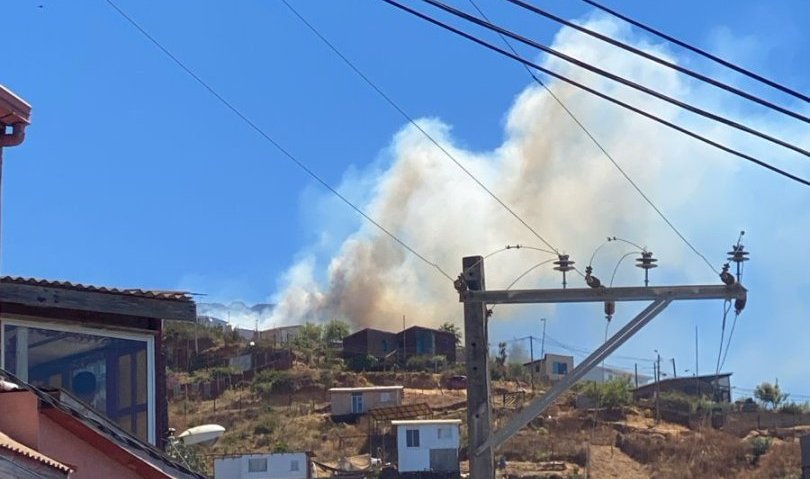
{"x":626,"y":443}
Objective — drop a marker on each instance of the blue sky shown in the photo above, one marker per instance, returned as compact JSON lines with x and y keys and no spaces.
{"x":133,"y":175}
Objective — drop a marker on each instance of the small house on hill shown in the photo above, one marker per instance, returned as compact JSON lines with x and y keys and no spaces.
{"x":288,"y":465}
{"x":421,"y":341}
{"x":429,"y":445}
{"x":349,"y":403}
{"x":717,"y":387}
{"x":370,"y":342}
{"x":552,"y":367}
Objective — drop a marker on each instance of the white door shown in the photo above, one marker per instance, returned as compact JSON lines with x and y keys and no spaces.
{"x":357,"y":403}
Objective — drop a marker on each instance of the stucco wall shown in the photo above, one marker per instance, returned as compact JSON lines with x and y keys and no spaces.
{"x":19,"y":415}
{"x":278,"y":466}
{"x":89,"y":462}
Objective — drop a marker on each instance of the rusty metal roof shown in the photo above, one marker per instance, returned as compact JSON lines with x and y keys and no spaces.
{"x":140,"y":293}
{"x":11,"y":445}
{"x":406,"y":411}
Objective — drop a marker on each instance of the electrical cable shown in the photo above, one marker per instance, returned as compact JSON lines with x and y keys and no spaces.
{"x":413,"y":122}
{"x":604,"y":96}
{"x":726,"y":309}
{"x":618,"y":78}
{"x":661,"y":61}
{"x":618,"y":263}
{"x":701,"y":52}
{"x":273,"y":142}
{"x":730,"y":335}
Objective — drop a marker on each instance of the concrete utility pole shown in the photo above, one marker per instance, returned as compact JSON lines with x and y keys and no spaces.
{"x":482,"y":464}
{"x":543,"y":341}
{"x":472,"y":292}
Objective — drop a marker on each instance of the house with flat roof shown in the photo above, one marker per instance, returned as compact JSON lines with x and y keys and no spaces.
{"x":427,"y":446}
{"x":717,"y":387}
{"x":551,"y":368}
{"x":349,"y":403}
{"x":283,"y":465}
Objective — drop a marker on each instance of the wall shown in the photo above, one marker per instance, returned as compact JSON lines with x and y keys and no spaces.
{"x":89,"y":462}
{"x":19,"y":417}
{"x":549,"y":361}
{"x":278,"y":467}
{"x":370,"y":341}
{"x":418,"y":458}
{"x":342,"y":401}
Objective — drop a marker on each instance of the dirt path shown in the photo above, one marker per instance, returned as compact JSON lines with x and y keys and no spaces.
{"x":610,"y":462}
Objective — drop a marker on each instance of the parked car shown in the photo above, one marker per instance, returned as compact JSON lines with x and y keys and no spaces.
{"x":456,"y":382}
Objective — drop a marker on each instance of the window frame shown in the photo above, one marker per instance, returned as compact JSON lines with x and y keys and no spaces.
{"x":263,"y":459}
{"x":412,"y":438}
{"x":294,"y":465}
{"x":55,"y":325}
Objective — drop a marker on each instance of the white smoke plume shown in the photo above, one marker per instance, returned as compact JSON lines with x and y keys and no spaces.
{"x":551,"y":174}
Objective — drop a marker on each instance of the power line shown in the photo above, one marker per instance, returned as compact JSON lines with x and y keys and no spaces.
{"x":599,"y":94}
{"x":273,"y":142}
{"x":703,"y":53}
{"x":603,"y":150}
{"x":661,"y":61}
{"x":413,"y":122}
{"x":620,"y":79}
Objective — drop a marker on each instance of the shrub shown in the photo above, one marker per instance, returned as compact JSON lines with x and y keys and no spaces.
{"x":793,"y":408}
{"x":363,"y":363}
{"x":426,"y":363}
{"x":270,"y":381}
{"x":614,"y":394}
{"x":759,"y":446}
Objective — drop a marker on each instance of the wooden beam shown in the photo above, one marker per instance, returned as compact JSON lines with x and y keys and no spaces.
{"x":111,"y":303}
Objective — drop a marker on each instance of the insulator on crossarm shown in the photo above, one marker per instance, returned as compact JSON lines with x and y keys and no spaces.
{"x":610,"y":309}
{"x":646,"y":262}
{"x":590,"y":279}
{"x":564,"y":264}
{"x":738,"y":255}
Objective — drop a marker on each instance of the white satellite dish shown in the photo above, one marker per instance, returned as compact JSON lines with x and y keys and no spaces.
{"x":205,"y":435}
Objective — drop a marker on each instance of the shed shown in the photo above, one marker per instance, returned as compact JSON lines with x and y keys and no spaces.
{"x":373,"y":342}
{"x":715,"y":386}
{"x":552,"y":367}
{"x":421,"y":341}
{"x":429,"y":445}
{"x":349,"y":403}
{"x":288,"y":465}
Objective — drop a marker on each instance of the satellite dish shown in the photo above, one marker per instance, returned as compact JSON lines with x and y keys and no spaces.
{"x":205,"y":435}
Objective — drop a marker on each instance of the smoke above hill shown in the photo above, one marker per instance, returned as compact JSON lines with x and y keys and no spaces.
{"x":549,"y":172}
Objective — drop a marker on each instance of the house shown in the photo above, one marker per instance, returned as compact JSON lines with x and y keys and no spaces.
{"x":421,"y":341}
{"x":281,"y":336}
{"x":101,"y":344}
{"x":430,"y":445}
{"x":369,"y":342}
{"x":552,"y":367}
{"x":293,"y":465}
{"x":717,"y":387}
{"x":349,"y":403}
{"x":59,"y":431}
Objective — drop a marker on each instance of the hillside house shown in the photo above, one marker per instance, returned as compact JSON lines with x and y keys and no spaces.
{"x":601,"y":374}
{"x":551,"y":368}
{"x":370,"y":342}
{"x":430,"y":445}
{"x":101,"y":344}
{"x":292,"y":465}
{"x":349,"y":403}
{"x":717,"y":387}
{"x":281,"y":336}
{"x":421,"y":341}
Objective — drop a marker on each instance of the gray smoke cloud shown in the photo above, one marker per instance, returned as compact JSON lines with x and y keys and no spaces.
{"x":550,"y":173}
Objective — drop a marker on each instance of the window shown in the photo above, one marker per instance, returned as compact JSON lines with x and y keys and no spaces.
{"x":559,"y":368}
{"x":294,"y":465}
{"x":412,"y":437}
{"x":257,"y":464}
{"x":357,"y":403}
{"x":445,"y":432}
{"x":537,"y":368}
{"x":111,"y":371}
{"x":385,"y":397}
{"x":385,"y":345}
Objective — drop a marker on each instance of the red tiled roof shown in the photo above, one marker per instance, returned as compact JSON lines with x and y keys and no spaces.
{"x":17,"y":448}
{"x":141,"y":293}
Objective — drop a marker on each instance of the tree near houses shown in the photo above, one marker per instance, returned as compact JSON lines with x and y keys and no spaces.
{"x":334,"y":331}
{"x":768,"y":393}
{"x":452,"y":328}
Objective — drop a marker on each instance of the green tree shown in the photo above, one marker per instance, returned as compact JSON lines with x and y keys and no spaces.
{"x":613,"y":394}
{"x":335,"y":331}
{"x":309,"y":341}
{"x":768,"y":393}
{"x":452,"y":328}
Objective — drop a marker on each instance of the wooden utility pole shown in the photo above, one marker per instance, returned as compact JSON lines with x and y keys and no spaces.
{"x":476,"y":343}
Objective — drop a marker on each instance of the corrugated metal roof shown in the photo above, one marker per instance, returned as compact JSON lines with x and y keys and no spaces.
{"x":11,"y":445}
{"x":141,"y":293}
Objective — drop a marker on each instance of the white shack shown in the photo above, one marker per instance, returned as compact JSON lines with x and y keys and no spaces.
{"x":427,"y":445}
{"x":347,"y":402}
{"x":293,"y":465}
